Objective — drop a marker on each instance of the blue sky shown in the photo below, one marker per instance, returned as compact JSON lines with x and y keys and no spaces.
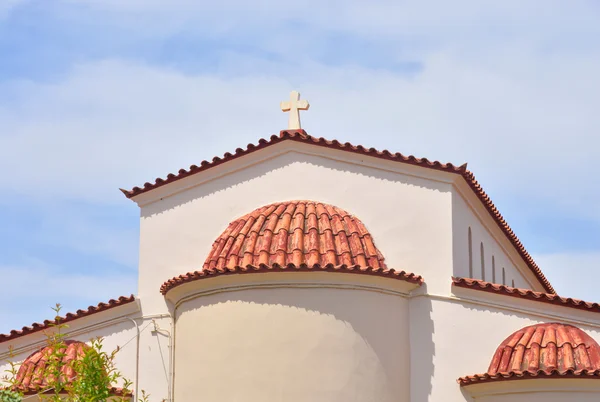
{"x":101,"y":94}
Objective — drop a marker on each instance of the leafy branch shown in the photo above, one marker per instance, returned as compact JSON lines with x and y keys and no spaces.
{"x":88,"y":377}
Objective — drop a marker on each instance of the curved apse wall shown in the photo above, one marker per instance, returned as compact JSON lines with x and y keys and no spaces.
{"x":293,"y":344}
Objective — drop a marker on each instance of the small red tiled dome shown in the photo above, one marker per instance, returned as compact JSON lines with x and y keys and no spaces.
{"x":34,"y":373}
{"x":546,"y":347}
{"x":295,"y":232}
{"x":543,"y":350}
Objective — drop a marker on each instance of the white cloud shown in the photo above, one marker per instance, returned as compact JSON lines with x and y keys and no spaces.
{"x":527,"y":123}
{"x":375,"y":18}
{"x":511,"y":87}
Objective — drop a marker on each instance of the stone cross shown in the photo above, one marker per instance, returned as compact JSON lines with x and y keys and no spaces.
{"x":294,"y":105}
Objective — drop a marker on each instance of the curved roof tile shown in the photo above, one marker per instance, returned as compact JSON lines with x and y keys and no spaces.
{"x":303,"y":137}
{"x":294,"y":236}
{"x":295,"y":232}
{"x":542,"y":350}
{"x":34,"y":372}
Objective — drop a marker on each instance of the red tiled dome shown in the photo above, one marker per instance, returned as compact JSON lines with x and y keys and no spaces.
{"x":543,"y":350}
{"x":294,"y":236}
{"x":295,"y":232}
{"x":33,"y":372}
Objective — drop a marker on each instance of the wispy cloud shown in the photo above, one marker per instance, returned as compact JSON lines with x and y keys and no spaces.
{"x":100,"y":94}
{"x":117,"y":123}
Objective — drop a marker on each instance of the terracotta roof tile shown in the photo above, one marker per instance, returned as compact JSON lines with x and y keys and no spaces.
{"x":529,"y":294}
{"x":34,"y":373}
{"x":263,"y":268}
{"x":303,"y":137}
{"x":276,"y":238}
{"x":542,"y":350}
{"x":36,"y":327}
{"x":294,"y":236}
{"x":483,"y":378}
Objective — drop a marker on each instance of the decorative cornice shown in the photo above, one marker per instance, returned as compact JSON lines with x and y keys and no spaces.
{"x":525,"y":375}
{"x":291,"y":268}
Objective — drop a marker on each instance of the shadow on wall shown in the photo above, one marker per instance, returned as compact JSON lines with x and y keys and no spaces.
{"x":493,"y":326}
{"x":422,"y":347}
{"x":324,"y":338}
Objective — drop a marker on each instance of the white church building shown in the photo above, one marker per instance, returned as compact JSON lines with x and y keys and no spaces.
{"x":300,"y":269}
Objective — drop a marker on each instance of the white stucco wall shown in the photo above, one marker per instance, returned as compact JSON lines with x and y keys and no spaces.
{"x":291,"y":344}
{"x":498,"y":251}
{"x":464,"y":336}
{"x":321,"y":343}
{"x":117,"y":332}
{"x":409,"y":217}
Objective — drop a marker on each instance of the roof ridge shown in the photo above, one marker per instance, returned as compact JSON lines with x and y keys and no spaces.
{"x":294,"y":135}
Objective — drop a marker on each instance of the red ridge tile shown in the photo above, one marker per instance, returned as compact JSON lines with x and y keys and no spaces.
{"x":303,"y":137}
{"x":36,"y":326}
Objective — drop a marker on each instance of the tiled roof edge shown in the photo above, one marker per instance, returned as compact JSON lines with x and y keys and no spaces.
{"x":36,"y":327}
{"x":524,"y":375}
{"x":501,"y":222}
{"x":114,"y":391}
{"x":294,"y":135}
{"x":550,"y":298}
{"x":302,"y":136}
{"x":263,"y":268}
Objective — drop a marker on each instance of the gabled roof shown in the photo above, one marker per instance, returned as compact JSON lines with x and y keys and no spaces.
{"x":37,"y":326}
{"x":297,"y":136}
{"x":302,"y":137}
